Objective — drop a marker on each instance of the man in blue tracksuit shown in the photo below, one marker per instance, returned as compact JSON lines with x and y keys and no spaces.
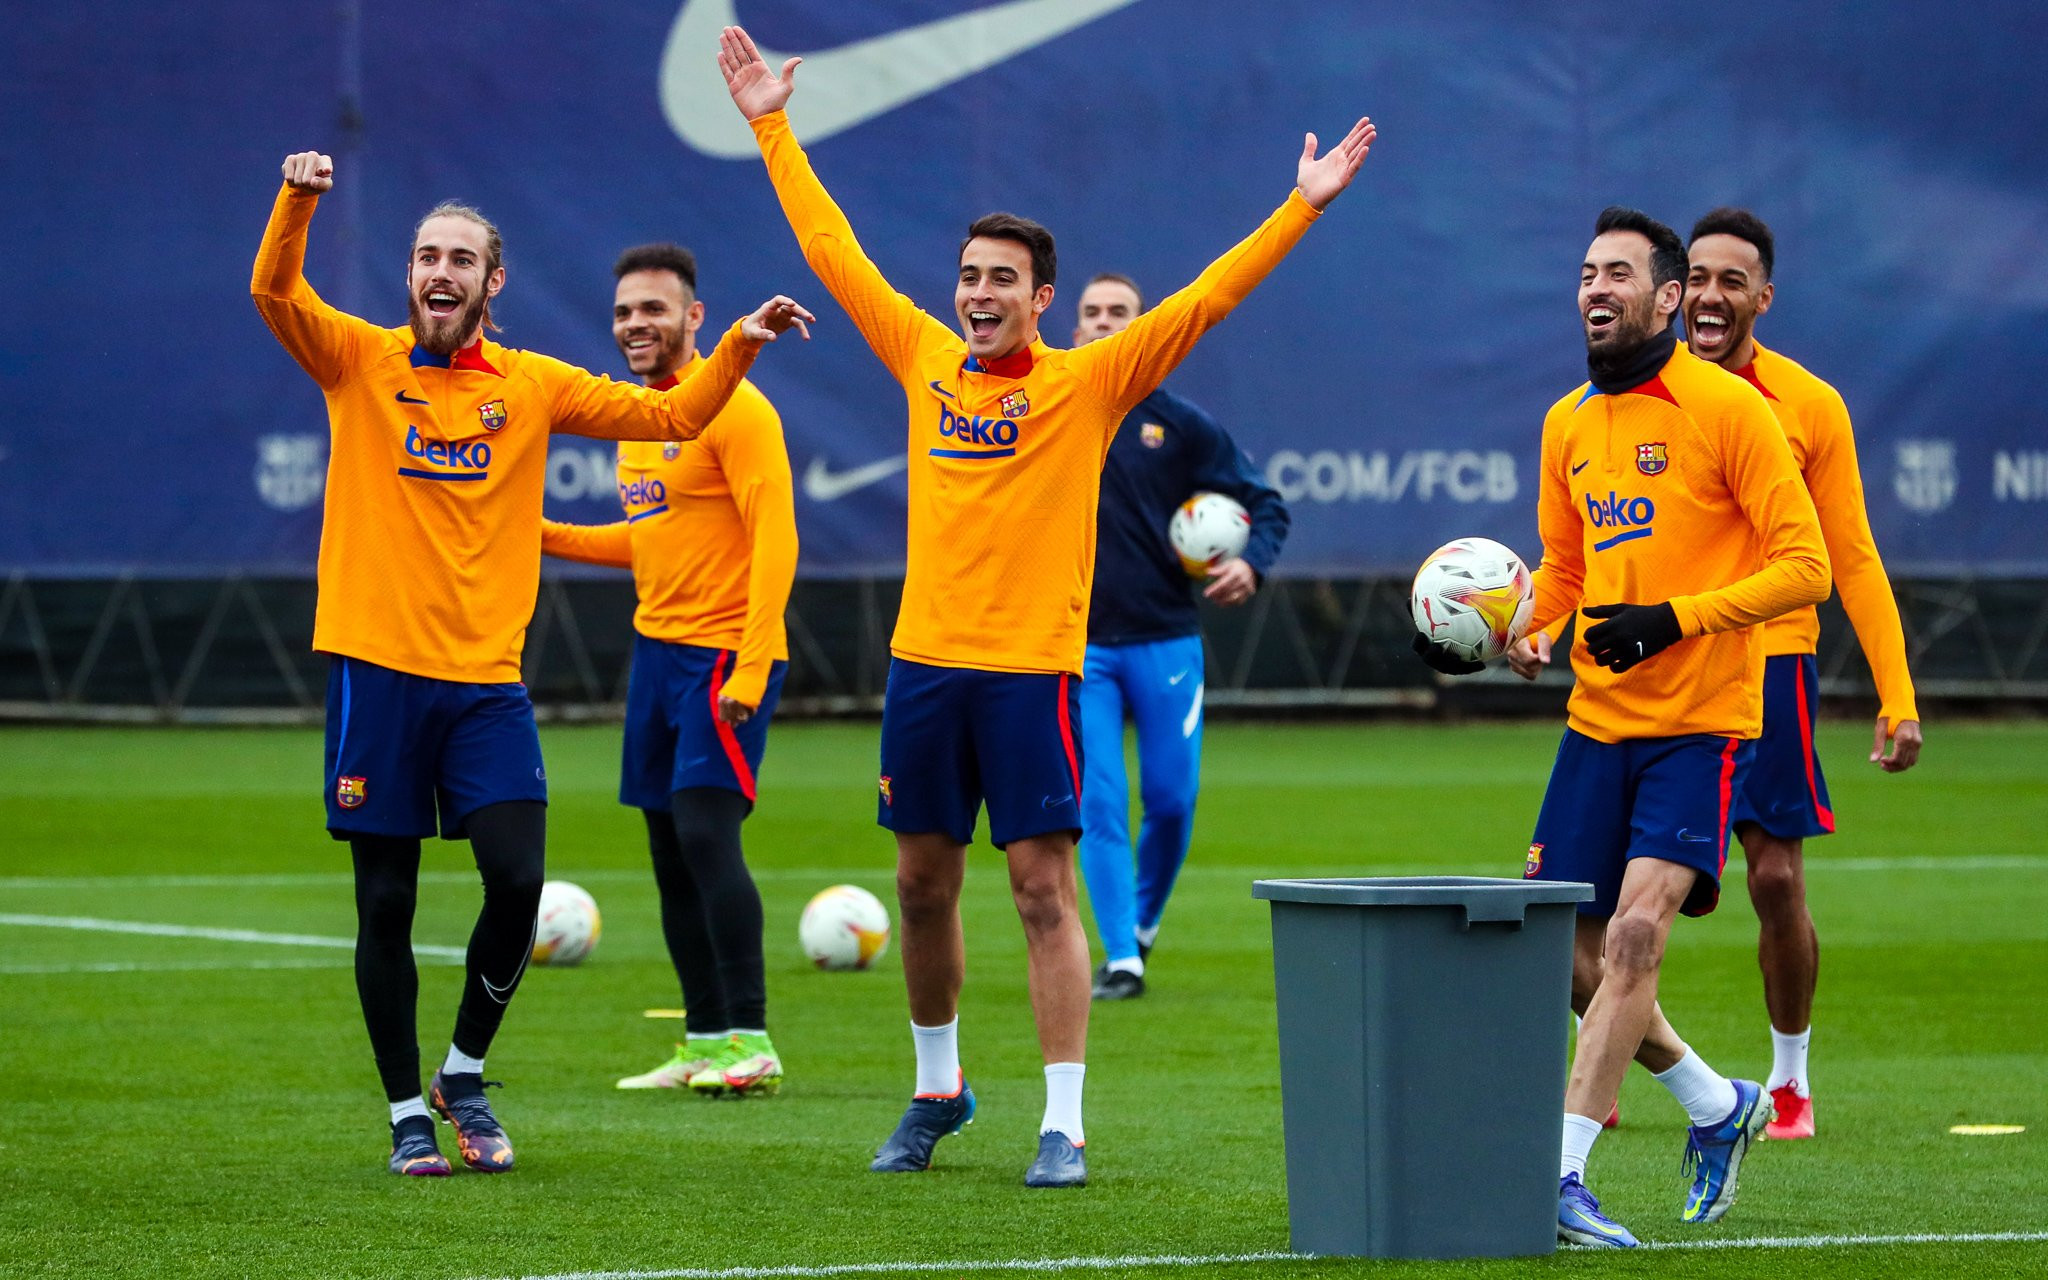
{"x":1145,"y":647}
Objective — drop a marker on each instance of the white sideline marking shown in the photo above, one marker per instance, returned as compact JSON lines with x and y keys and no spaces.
{"x":231,"y":966}
{"x":1216,"y":1259}
{"x":620,"y":875}
{"x":92,"y":924}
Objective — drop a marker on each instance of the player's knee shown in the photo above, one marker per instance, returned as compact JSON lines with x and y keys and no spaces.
{"x":1585,"y":980}
{"x":1635,"y":944}
{"x":1775,"y":882}
{"x":384,"y":908}
{"x":922,"y":897}
{"x":1042,"y":902}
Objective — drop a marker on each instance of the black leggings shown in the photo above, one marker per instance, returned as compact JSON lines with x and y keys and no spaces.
{"x":508,"y":841}
{"x":710,"y":909}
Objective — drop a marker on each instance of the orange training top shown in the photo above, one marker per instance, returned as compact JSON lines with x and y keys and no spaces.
{"x":430,"y":543}
{"x":710,"y":534}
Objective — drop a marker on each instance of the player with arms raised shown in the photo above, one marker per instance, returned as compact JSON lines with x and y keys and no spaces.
{"x":1670,"y":497}
{"x":1007,"y":438}
{"x":429,"y":568}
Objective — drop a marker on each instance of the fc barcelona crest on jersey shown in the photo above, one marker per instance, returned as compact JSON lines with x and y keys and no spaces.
{"x":1152,"y":435}
{"x":1015,"y":404}
{"x":493,"y":414}
{"x":1650,"y":459}
{"x":671,"y":450}
{"x":1533,"y":864}
{"x":350,"y":793}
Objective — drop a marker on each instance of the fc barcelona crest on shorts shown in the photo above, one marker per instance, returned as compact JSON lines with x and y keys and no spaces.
{"x":493,"y":415}
{"x":1152,"y":435}
{"x":350,"y":793}
{"x":671,"y":450}
{"x":1650,"y":459}
{"x":1015,"y":404}
{"x":1533,"y":864}
{"x":886,"y":797}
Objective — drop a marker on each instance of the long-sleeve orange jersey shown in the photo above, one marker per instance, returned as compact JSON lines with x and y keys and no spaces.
{"x":1816,"y":425}
{"x":710,"y":534}
{"x":1006,"y":472}
{"x":430,"y":542}
{"x":1682,"y":490}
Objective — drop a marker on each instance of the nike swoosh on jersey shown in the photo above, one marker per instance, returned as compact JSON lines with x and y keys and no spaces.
{"x":941,"y":390}
{"x":1578,"y":467}
{"x":856,"y":82}
{"x":822,"y":484}
{"x":403,"y":398}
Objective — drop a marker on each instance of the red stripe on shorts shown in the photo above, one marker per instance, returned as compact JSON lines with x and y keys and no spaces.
{"x":726,"y":737}
{"x":1827,"y":815}
{"x":1727,"y":792}
{"x":1067,"y":740}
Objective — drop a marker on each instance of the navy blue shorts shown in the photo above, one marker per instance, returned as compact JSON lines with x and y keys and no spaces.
{"x":1608,"y":802}
{"x":674,"y":738}
{"x":1782,"y":790}
{"x":954,"y":738}
{"x":401,"y":748}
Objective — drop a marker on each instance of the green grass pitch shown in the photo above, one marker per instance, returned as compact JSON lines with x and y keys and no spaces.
{"x":177,"y":1106}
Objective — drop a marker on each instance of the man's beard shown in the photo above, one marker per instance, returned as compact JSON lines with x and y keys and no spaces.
{"x":443,"y":336}
{"x":1631,"y":330}
{"x":667,"y":352}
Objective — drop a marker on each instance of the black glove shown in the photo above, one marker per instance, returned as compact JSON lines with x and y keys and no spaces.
{"x":1442,"y":659}
{"x":1632,"y":633}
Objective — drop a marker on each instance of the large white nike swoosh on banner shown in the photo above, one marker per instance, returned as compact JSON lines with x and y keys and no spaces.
{"x":854,"y":83}
{"x":821,"y":484}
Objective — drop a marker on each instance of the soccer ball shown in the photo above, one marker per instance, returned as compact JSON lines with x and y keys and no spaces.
{"x":568,"y":926}
{"x":844,"y":927}
{"x":1208,"y":529}
{"x":1474,"y":597}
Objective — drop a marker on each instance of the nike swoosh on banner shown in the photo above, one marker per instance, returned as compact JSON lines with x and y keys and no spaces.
{"x":856,"y":82}
{"x":822,"y":484}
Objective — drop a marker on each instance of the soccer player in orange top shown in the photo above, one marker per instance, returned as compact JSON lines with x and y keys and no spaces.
{"x":1669,"y":497}
{"x":1007,"y":438}
{"x":710,"y":535}
{"x":1782,"y":797}
{"x":429,"y":567}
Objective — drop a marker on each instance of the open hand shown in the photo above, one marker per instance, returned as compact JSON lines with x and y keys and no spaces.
{"x":309,"y":171}
{"x":1323,"y":180}
{"x":1904,"y":741}
{"x":755,"y":90}
{"x":776,"y":316}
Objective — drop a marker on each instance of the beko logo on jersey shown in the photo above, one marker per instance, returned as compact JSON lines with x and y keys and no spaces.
{"x":469,"y":460}
{"x":997,"y":437}
{"x":642,"y":493}
{"x":1632,"y":516}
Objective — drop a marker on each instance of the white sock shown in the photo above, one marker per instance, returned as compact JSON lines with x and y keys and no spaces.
{"x":460,"y":1063}
{"x":1146,"y":937}
{"x":1707,"y":1096}
{"x":1579,"y":1133}
{"x":409,"y":1108}
{"x":1063,"y":1100}
{"x":938,"y":1059}
{"x":1131,"y":965}
{"x":1788,"y":1062}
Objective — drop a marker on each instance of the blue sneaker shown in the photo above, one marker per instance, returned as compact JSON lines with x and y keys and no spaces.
{"x":1579,"y":1220}
{"x":924,"y":1122}
{"x":1060,"y":1163}
{"x":1713,"y":1153}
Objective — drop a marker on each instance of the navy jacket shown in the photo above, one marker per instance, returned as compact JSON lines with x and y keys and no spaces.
{"x":1165,"y":450}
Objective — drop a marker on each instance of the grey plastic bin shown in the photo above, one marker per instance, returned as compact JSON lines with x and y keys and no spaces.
{"x":1423,"y":1031}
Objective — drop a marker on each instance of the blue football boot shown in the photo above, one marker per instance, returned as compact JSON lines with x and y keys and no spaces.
{"x":1579,"y":1220}
{"x":413,"y":1150}
{"x":1713,"y":1153}
{"x":924,"y":1122}
{"x":1061,"y":1163}
{"x":458,"y":1098}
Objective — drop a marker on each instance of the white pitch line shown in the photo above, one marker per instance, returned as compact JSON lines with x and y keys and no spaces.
{"x":230,"y":966}
{"x":1218,"y":1259}
{"x":92,"y":924}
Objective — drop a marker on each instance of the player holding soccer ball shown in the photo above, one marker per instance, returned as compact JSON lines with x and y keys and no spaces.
{"x":1670,"y":496}
{"x":1145,"y":646}
{"x":710,"y":535}
{"x":1007,"y":441}
{"x":429,"y":567}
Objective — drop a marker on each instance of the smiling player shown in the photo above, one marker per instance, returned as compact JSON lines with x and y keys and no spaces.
{"x":429,"y":568}
{"x":1007,"y":439}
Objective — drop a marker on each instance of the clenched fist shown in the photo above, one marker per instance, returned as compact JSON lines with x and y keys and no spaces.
{"x":309,"y":171}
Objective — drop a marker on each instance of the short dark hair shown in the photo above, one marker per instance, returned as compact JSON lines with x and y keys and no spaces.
{"x":1117,"y":277}
{"x":1033,"y":236}
{"x":1667,"y":252}
{"x":1743,"y":225}
{"x":672,"y":258}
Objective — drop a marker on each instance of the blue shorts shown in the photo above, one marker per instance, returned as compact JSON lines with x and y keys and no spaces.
{"x":1782,"y":790}
{"x":402,"y":747}
{"x":955,"y":737}
{"x":674,"y":738}
{"x":1608,"y":802}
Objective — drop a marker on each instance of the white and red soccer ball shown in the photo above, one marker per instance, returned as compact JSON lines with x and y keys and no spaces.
{"x":1474,"y":597}
{"x":1208,"y":529}
{"x":568,"y":927}
{"x":844,"y":927}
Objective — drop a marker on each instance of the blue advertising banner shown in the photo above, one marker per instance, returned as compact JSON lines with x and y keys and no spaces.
{"x":1389,"y":378}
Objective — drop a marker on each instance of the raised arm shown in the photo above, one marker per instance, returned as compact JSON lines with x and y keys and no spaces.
{"x":327,"y":343}
{"x":610,"y":545}
{"x":588,"y":405}
{"x":891,"y":323}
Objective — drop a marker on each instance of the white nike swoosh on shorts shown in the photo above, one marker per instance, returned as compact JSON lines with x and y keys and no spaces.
{"x":856,"y":82}
{"x":822,"y":484}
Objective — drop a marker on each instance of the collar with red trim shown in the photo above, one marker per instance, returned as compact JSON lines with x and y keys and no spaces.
{"x":470,"y":357}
